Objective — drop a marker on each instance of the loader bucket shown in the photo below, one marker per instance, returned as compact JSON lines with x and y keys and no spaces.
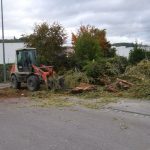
{"x":56,"y":83}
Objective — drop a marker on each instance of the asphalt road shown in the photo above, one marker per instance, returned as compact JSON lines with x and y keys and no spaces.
{"x":30,"y":128}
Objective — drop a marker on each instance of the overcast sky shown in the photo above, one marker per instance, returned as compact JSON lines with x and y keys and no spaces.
{"x":125,"y":20}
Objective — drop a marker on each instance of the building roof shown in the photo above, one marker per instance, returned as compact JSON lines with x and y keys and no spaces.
{"x":29,"y":48}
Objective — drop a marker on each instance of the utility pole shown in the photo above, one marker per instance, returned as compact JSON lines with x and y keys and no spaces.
{"x":4,"y":64}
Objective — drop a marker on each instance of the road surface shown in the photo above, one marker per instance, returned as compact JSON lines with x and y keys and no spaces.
{"x":72,"y":128}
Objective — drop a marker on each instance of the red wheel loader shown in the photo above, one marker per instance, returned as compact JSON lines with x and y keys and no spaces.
{"x":25,"y":70}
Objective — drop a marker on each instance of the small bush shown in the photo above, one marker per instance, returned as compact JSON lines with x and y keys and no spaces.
{"x":102,"y":66}
{"x":120,"y":63}
{"x":73,"y":78}
{"x":94,"y":69}
{"x":8,"y":67}
{"x":141,"y":70}
{"x":141,"y":90}
{"x":138,"y":54}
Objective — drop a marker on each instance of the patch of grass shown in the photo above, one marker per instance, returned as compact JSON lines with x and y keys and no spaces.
{"x":99,"y":93}
{"x":47,"y":98}
{"x":12,"y":93}
{"x":93,"y":100}
{"x":54,"y":102}
{"x":97,"y":103}
{"x":91,"y":105}
{"x":90,"y":100}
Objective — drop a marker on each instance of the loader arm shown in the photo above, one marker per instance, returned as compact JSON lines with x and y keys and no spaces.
{"x":44,"y":72}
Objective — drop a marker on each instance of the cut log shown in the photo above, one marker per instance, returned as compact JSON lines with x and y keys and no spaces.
{"x":125,"y":82}
{"x":83,"y":87}
{"x":111,"y":88}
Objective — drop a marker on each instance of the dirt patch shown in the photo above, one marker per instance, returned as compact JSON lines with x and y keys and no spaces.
{"x":13,"y":93}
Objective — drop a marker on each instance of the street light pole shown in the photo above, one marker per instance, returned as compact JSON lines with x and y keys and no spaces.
{"x":4,"y":64}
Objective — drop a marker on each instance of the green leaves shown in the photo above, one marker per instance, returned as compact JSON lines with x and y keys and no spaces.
{"x":87,"y":48}
{"x":138,"y":54}
{"x":90,"y":43}
{"x":48,"y":39}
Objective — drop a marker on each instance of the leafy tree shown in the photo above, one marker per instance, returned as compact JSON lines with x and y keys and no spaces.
{"x":48,"y":40}
{"x":147,"y":54}
{"x":87,"y":48}
{"x":137,"y":54}
{"x":90,"y":39}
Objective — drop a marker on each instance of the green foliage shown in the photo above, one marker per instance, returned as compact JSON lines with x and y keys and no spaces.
{"x":8,"y":67}
{"x":73,"y":78}
{"x":111,"y":52}
{"x":147,"y":54}
{"x":87,"y":48}
{"x":90,"y":43}
{"x":141,"y":90}
{"x":138,"y":54}
{"x":1,"y":74}
{"x":94,"y":69}
{"x":48,"y":39}
{"x":110,"y":66}
{"x":120,"y":63}
{"x":140,"y":71}
{"x":73,"y":62}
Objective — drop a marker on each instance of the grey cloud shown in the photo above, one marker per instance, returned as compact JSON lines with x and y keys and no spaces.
{"x":126,"y":18}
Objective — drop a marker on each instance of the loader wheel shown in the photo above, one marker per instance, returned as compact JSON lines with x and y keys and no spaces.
{"x":33,"y":83}
{"x":14,"y":82}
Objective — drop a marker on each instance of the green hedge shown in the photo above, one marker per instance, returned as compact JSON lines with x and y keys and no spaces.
{"x":8,"y":67}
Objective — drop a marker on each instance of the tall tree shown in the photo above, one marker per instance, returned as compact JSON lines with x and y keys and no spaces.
{"x":97,"y":35}
{"x":48,"y":40}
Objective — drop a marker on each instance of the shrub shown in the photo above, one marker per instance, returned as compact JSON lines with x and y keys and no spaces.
{"x":87,"y":48}
{"x":141,"y":70}
{"x":141,"y":90}
{"x":91,"y":43}
{"x":73,"y":78}
{"x":8,"y":66}
{"x":48,"y":40}
{"x":94,"y":69}
{"x":102,"y":66}
{"x":120,"y":63}
{"x":138,"y":54}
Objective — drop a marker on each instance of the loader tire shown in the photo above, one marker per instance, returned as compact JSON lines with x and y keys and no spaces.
{"x":33,"y":83}
{"x":14,"y":82}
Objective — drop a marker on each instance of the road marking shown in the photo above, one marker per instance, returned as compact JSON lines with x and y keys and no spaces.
{"x":131,"y":112}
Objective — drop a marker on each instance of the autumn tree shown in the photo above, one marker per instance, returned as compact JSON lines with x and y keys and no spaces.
{"x":95,"y":39}
{"x":48,"y":40}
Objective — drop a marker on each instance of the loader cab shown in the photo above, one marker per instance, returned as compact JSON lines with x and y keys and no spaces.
{"x":25,"y":59}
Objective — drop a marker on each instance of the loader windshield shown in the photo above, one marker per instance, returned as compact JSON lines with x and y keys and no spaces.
{"x":25,"y":59}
